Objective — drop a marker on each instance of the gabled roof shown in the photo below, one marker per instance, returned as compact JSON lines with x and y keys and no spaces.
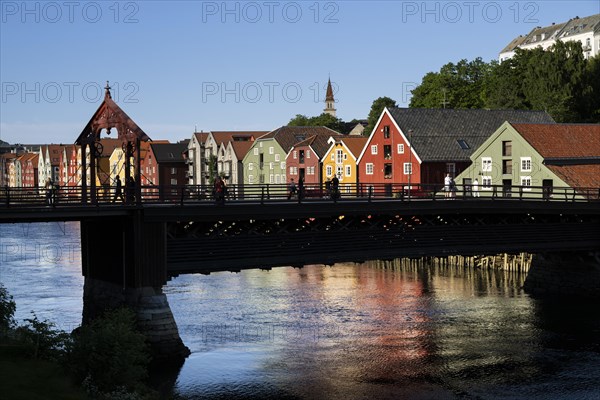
{"x":437,"y":132}
{"x":169,"y":152}
{"x":226,"y":136}
{"x":516,"y":42}
{"x":355,"y":144}
{"x":581,"y":176}
{"x":240,"y":148}
{"x":577,"y":26}
{"x":541,"y":34}
{"x":564,"y":141}
{"x":201,"y":136}
{"x":54,"y":152}
{"x":288,"y":136}
{"x":318,"y":143}
{"x":110,"y":115}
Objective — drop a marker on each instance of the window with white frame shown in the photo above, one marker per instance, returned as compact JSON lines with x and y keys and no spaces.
{"x":271,"y":165}
{"x":526,"y":183}
{"x":271,"y":150}
{"x":339,"y":156}
{"x":339,"y":171}
{"x":256,"y":151}
{"x":250,"y":179}
{"x":486,"y":183}
{"x":525,"y":164}
{"x":271,"y":178}
{"x":451,"y":168}
{"x":282,"y":165}
{"x":295,"y":170}
{"x":261,"y":144}
{"x":277,"y":158}
{"x":173,"y":182}
{"x":329,"y":170}
{"x":332,"y":156}
{"x":307,"y":153}
{"x":369,"y":168}
{"x":374,"y":149}
{"x":276,"y":178}
{"x":348,"y":170}
{"x":407,"y":168}
{"x":401,"y":148}
{"x":250,"y":166}
{"x":295,"y":154}
{"x":486,"y":164}
{"x":310,"y":170}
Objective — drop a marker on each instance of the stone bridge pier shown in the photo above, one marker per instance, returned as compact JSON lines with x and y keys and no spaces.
{"x":124,"y":264}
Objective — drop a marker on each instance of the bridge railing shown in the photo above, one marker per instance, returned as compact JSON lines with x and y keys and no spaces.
{"x":61,"y":196}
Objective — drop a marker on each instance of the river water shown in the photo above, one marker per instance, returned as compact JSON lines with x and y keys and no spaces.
{"x":348,"y":331}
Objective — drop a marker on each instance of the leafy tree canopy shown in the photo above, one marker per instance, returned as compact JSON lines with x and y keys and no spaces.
{"x":376,"y":109}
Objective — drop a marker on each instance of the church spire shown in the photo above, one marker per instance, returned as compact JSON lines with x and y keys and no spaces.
{"x":329,"y":100}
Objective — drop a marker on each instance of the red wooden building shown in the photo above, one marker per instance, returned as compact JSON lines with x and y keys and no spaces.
{"x":430,"y":143}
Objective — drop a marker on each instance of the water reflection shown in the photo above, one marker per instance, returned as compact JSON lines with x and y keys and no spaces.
{"x":373,"y":330}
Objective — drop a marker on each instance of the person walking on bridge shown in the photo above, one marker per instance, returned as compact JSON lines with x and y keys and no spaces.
{"x":118,"y":190}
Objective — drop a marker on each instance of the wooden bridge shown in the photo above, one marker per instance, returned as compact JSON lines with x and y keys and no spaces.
{"x":131,"y":248}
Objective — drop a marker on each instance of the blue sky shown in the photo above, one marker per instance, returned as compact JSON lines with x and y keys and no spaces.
{"x":212,"y":65}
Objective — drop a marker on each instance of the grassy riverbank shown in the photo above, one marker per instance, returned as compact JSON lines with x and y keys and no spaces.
{"x":24,"y":378}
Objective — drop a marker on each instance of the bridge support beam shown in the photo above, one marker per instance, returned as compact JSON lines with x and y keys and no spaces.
{"x":124,"y":264}
{"x":565,"y":274}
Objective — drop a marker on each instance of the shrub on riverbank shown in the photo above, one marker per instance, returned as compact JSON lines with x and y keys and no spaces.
{"x":108,"y":358}
{"x":109,"y":353}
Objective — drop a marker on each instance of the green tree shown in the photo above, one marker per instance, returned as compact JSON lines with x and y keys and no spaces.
{"x":7,"y":311}
{"x":457,"y":85}
{"x":324,"y":119}
{"x":555,"y":80}
{"x":376,"y":109}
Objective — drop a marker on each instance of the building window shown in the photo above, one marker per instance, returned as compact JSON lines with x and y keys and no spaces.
{"x":506,"y":148}
{"x":271,"y":150}
{"x":386,"y":132}
{"x":387,"y":151}
{"x":374,"y":149}
{"x":486,"y":164}
{"x":271,"y":167}
{"x":339,"y":171}
{"x":271,"y":178}
{"x":250,"y":166}
{"x":525,"y":164}
{"x":507,"y":167}
{"x":173,"y":182}
{"x":250,"y":179}
{"x":277,"y":158}
{"x":401,"y":148}
{"x":301,"y":161}
{"x":310,"y":170}
{"x":387,"y":171}
{"x":348,"y":170}
{"x":339,"y":156}
{"x":526,"y":183}
{"x":451,"y":169}
{"x":295,"y":154}
{"x":256,"y":151}
{"x":486,"y":182}
{"x":369,"y":168}
{"x":407,"y":168}
{"x":307,"y":153}
{"x":282,"y":166}
{"x":277,"y":179}
{"x":173,"y":171}
{"x":329,"y":171}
